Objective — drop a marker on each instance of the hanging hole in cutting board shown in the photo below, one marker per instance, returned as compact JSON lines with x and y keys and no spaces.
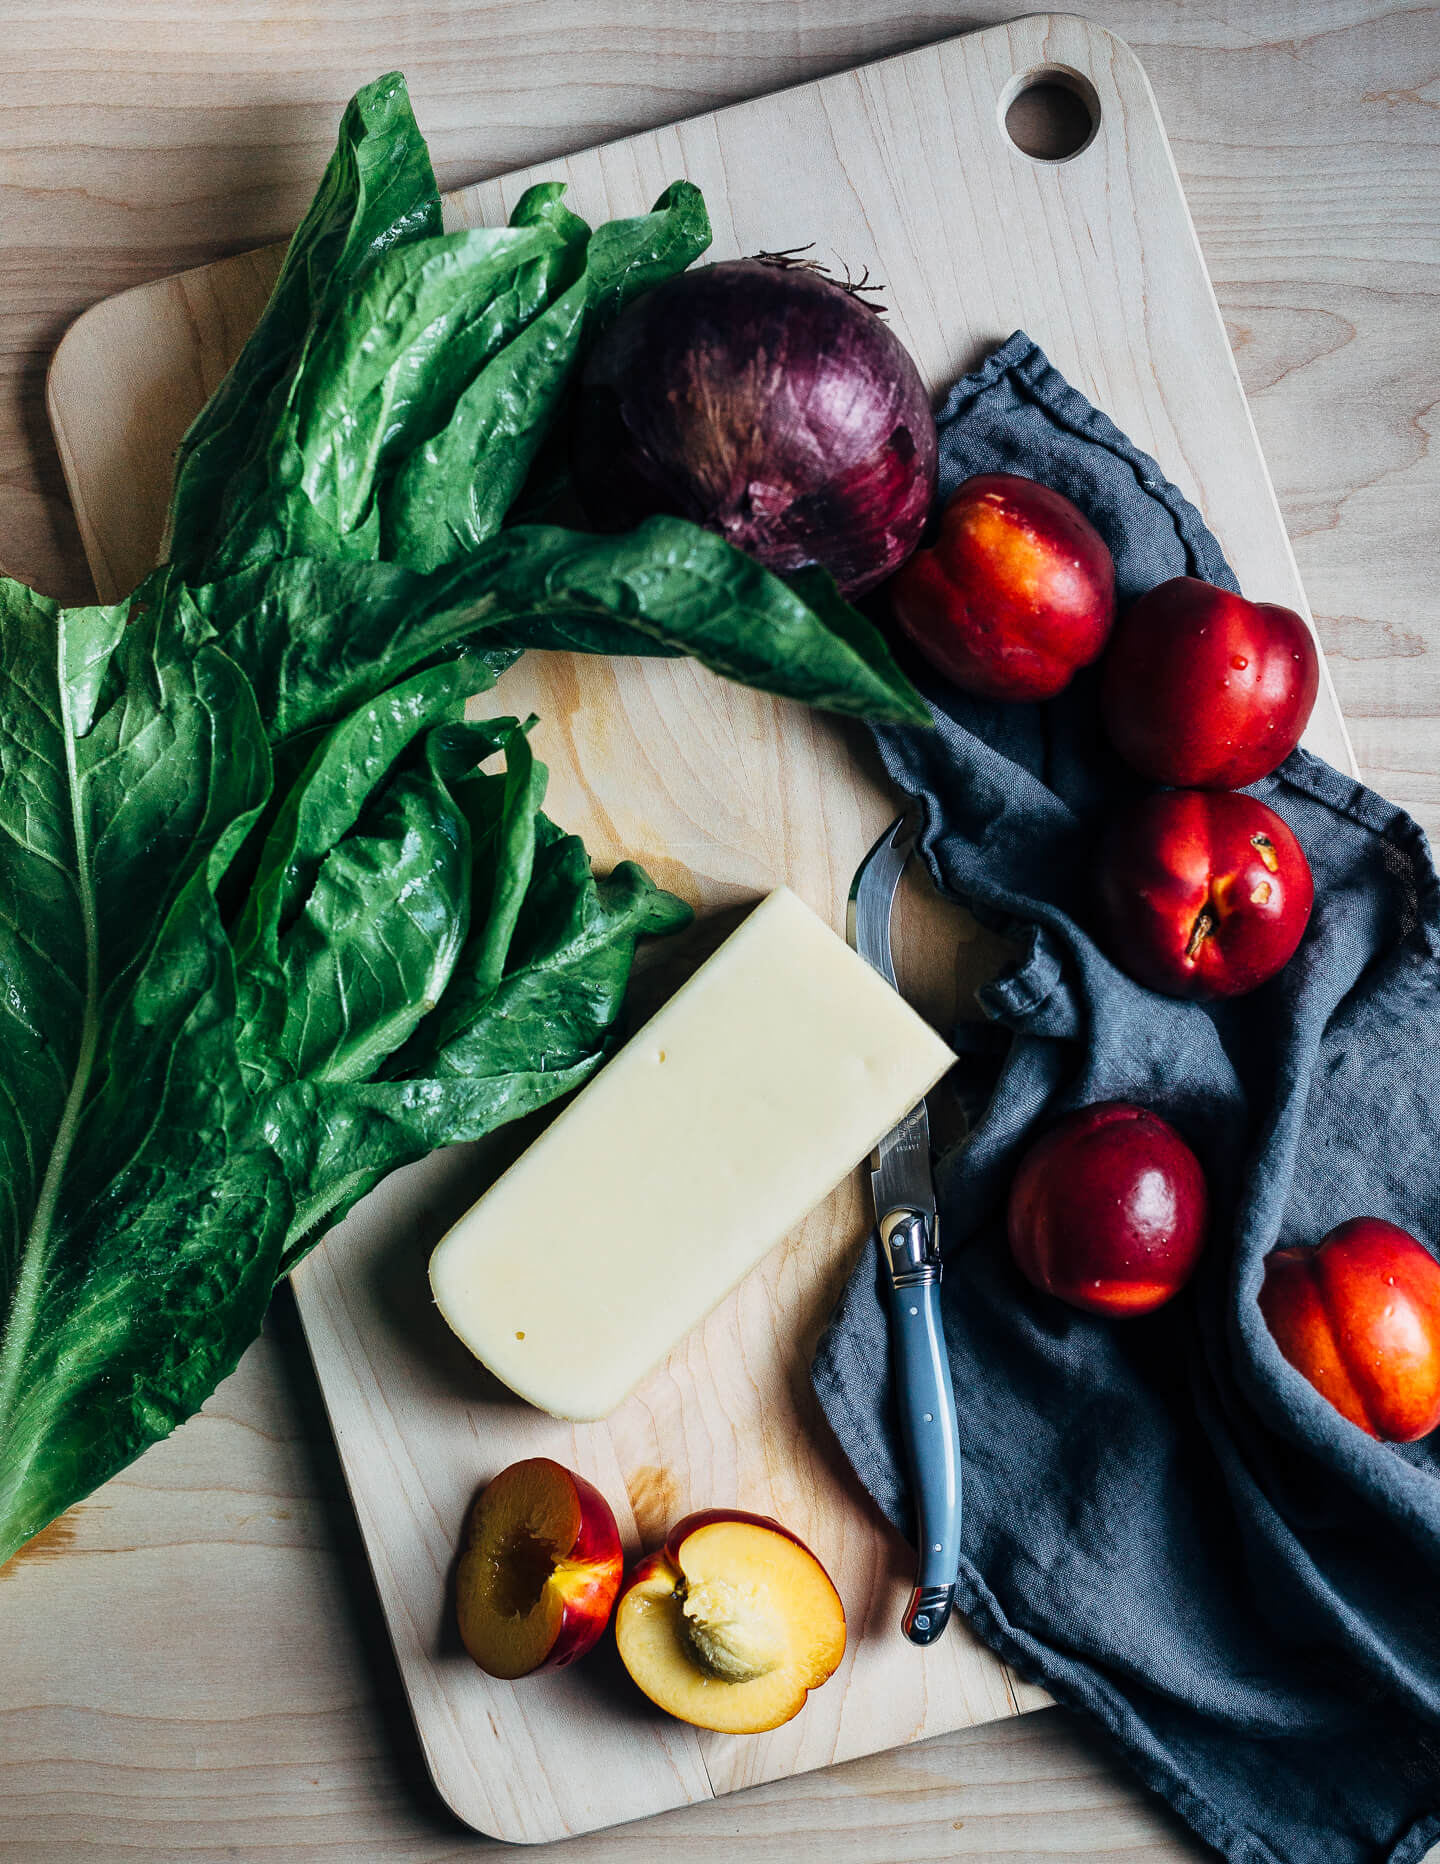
{"x":1050,"y":114}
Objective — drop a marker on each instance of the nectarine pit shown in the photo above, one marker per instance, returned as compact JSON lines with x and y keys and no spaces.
{"x":729,"y":1629}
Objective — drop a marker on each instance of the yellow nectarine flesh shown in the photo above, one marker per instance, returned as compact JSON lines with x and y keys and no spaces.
{"x":731,"y":1628}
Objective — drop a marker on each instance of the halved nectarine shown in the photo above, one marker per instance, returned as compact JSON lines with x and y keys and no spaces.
{"x":731,"y":1623}
{"x":539,"y":1569}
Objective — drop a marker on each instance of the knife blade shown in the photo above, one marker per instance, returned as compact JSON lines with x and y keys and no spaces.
{"x":908,"y":1240}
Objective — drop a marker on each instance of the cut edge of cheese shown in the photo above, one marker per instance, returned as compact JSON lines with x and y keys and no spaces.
{"x":704,"y":1141}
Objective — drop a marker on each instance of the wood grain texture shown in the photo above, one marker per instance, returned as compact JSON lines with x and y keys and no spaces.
{"x":1096,"y":257}
{"x":721,"y":792}
{"x":195,"y":1665}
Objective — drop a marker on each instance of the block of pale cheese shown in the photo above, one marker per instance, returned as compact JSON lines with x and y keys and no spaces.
{"x":709,"y":1136}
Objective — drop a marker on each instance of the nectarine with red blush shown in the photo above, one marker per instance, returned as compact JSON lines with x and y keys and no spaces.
{"x":539,"y":1569}
{"x":1204,"y":690}
{"x":1108,"y":1210}
{"x":1202,"y":893}
{"x":1359,"y":1315}
{"x":1016,"y":593}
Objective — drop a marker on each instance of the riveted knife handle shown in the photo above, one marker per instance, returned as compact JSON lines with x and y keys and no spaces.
{"x":930,"y":1430}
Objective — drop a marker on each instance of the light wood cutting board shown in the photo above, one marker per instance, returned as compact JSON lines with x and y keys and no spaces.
{"x":903,"y":167}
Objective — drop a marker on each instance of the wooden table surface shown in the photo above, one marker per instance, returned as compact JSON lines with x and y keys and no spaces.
{"x":192,"y":1664}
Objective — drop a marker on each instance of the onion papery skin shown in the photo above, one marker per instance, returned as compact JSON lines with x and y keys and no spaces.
{"x":768,"y":403}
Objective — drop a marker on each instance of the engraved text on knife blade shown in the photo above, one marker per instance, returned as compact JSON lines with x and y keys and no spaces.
{"x":901,"y":1166}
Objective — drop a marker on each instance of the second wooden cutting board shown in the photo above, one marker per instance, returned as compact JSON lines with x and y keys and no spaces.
{"x":906,"y":168}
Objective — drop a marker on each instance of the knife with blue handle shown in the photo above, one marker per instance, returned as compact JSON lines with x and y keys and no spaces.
{"x":908,"y":1230}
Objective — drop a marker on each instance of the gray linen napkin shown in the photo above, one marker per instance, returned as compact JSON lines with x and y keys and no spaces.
{"x":1165,"y":1524}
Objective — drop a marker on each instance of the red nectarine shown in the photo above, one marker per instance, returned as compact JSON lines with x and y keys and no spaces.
{"x":1015,"y":595}
{"x":1202,"y":893}
{"x":1108,"y":1210}
{"x":1204,"y":690}
{"x":1359,"y":1315}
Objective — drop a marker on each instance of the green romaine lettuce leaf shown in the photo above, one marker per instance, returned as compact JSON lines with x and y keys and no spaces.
{"x":267,"y":930}
{"x":516,"y":1029}
{"x":378,"y":192}
{"x":418,"y":957}
{"x":143,"y":1212}
{"x":310,"y":634}
{"x":668,"y":587}
{"x":317,"y":637}
{"x":408,"y":922}
{"x":373,"y":380}
{"x":453,"y":491}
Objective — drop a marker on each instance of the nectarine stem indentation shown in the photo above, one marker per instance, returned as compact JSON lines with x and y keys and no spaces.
{"x":1204,"y":925}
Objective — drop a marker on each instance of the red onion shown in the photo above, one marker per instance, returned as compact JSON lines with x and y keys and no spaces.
{"x":764,"y":401}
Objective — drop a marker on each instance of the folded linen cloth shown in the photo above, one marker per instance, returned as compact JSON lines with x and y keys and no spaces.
{"x":1164,"y":1523}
